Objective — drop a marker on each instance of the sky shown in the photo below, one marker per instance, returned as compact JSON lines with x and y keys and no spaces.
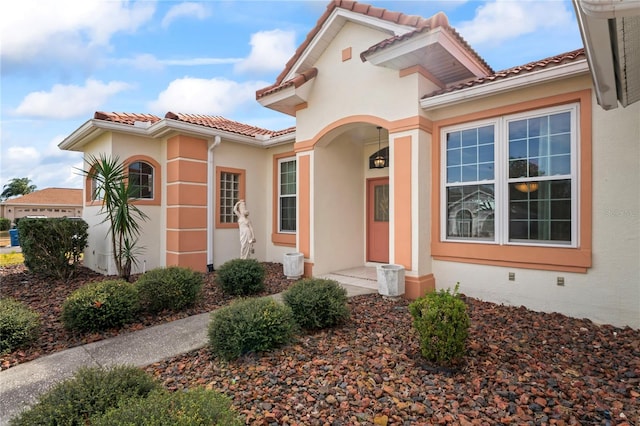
{"x":63,"y":60}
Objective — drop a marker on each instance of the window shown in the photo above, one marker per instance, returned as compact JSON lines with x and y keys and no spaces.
{"x":141,"y":180}
{"x":95,"y":194}
{"x":287,"y":195}
{"x":229,"y":196}
{"x":512,"y":180}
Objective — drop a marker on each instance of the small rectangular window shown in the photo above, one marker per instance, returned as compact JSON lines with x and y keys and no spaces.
{"x":287,"y":195}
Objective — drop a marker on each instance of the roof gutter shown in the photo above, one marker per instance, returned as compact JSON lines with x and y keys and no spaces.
{"x":505,"y":85}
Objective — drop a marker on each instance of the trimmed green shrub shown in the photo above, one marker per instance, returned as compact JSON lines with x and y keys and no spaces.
{"x":169,"y":288}
{"x":52,"y":246}
{"x":442,"y":322}
{"x":5,"y":224}
{"x":89,"y":392}
{"x":317,"y":303}
{"x":19,"y":325}
{"x":100,"y":305}
{"x":250,"y":325}
{"x":241,"y":277}
{"x":196,"y":407}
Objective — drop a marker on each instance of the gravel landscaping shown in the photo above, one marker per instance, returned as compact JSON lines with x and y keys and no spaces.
{"x":522,"y":367}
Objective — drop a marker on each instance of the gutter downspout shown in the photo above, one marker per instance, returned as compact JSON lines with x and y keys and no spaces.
{"x":210,"y":195}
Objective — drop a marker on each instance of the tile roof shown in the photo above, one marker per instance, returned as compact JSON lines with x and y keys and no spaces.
{"x":439,"y":20}
{"x":531,"y":67}
{"x":125,"y":118}
{"x":221,"y":123}
{"x":366,"y":9}
{"x":214,"y":122}
{"x":296,"y":81}
{"x":50,"y":196}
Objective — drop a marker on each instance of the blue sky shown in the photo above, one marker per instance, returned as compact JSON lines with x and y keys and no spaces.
{"x":63,"y":60}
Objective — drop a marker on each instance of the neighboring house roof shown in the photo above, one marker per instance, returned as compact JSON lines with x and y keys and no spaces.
{"x":531,"y":67}
{"x":611,"y":35}
{"x":50,"y":197}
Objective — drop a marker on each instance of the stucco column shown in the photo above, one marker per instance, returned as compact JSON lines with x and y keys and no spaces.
{"x":187,"y":202}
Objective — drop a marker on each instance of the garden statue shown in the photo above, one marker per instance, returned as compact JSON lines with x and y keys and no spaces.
{"x":247,"y":238}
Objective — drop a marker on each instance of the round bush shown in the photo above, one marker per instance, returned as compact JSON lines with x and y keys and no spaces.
{"x":241,"y":277}
{"x":19,"y":325}
{"x":169,"y":288}
{"x":250,"y":325}
{"x":196,"y":407}
{"x":100,"y":305}
{"x":317,"y":303}
{"x":89,"y":392}
{"x":442,"y":322}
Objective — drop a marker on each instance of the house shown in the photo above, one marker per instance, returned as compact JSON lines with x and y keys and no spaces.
{"x":408,"y":149}
{"x":49,"y":202}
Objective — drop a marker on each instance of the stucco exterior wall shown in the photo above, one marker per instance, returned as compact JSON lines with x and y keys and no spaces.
{"x":347,"y":88}
{"x":609,"y":292}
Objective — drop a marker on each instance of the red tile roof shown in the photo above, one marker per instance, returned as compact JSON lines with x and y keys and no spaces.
{"x":50,"y":196}
{"x":125,"y":118}
{"x":297,"y":81}
{"x":531,"y":67}
{"x":221,"y":123}
{"x":420,"y":23}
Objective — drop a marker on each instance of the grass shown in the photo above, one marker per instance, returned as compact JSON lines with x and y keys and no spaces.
{"x":13,"y":258}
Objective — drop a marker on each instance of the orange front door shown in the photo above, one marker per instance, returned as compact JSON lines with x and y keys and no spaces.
{"x":378,"y":220}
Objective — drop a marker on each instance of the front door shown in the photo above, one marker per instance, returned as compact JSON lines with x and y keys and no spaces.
{"x":378,"y":220}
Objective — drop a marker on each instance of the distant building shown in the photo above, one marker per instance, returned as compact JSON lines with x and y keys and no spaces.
{"x":49,"y":202}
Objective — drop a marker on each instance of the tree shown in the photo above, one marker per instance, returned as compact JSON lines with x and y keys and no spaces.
{"x":16,"y":187}
{"x":114,"y":190}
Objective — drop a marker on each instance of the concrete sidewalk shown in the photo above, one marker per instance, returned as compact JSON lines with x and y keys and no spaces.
{"x":21,"y":385}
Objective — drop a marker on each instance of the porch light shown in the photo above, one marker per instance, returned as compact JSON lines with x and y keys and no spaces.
{"x":526,"y":186}
{"x":379,"y":162}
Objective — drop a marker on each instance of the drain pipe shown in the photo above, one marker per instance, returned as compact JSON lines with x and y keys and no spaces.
{"x":210,"y":194}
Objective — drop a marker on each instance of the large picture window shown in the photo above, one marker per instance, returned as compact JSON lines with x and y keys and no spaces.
{"x":287,"y":195}
{"x":512,"y":180}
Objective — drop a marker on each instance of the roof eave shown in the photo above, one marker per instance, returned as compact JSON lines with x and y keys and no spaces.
{"x":287,"y":99}
{"x":505,"y":85}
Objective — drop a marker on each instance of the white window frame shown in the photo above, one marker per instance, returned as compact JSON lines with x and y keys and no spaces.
{"x":501,"y":178}
{"x":280,"y":195}
{"x":151,"y":176}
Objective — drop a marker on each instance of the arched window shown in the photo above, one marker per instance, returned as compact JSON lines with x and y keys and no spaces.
{"x":141,"y":180}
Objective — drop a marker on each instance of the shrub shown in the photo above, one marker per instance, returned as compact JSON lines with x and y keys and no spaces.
{"x":100,"y":305}
{"x":241,"y":277}
{"x":19,"y":325}
{"x":52,"y":247}
{"x":5,"y":224}
{"x":442,"y":323}
{"x":250,"y":325}
{"x":89,"y":392}
{"x":169,"y":288}
{"x":196,"y":407}
{"x":317,"y":303}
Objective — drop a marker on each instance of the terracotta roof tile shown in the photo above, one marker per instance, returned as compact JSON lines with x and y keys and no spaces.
{"x":125,"y":118}
{"x":552,"y":61}
{"x":297,"y":81}
{"x":224,"y":124}
{"x":50,"y":196}
{"x":362,"y":8}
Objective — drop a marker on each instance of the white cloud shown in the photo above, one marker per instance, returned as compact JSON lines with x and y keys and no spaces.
{"x":39,"y":31}
{"x":217,"y":96}
{"x":68,"y":101}
{"x":270,"y":51}
{"x":184,"y":10}
{"x":502,"y":20}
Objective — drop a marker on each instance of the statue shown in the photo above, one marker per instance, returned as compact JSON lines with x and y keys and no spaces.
{"x":247,"y":238}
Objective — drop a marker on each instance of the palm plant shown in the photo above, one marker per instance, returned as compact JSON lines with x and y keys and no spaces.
{"x":113,"y":188}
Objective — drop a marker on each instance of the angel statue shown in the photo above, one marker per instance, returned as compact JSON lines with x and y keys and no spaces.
{"x":247,"y":238}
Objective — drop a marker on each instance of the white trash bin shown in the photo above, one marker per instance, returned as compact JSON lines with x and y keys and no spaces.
{"x":293,"y":265}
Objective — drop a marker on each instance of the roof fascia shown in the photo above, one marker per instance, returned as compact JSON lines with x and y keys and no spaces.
{"x":339,"y":17}
{"x":93,"y":128}
{"x":597,"y":41}
{"x":505,"y":85}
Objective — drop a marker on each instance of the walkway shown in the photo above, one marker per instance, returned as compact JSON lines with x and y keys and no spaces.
{"x":21,"y":385}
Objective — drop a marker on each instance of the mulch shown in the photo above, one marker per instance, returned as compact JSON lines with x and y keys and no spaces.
{"x":522,"y":368}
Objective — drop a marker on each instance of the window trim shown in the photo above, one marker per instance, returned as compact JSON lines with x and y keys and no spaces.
{"x":242,"y":179}
{"x":280,"y":196}
{"x":279,"y":238}
{"x":501,"y":178}
{"x":556,"y":258}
